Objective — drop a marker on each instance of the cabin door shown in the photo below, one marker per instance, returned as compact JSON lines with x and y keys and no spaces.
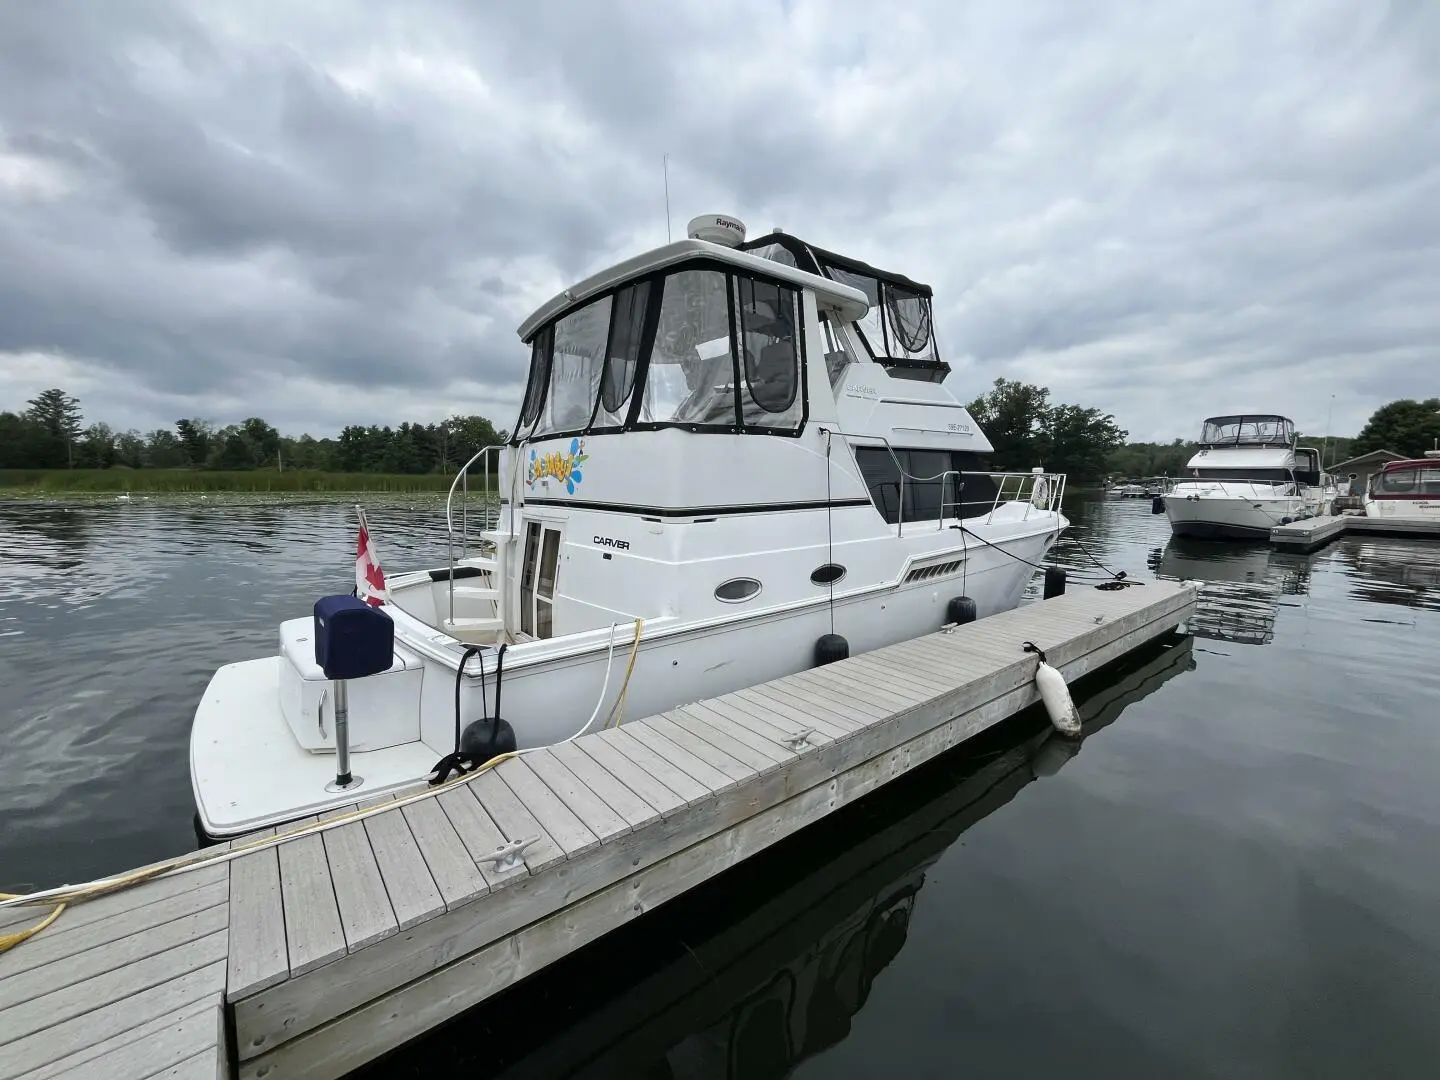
{"x":537,"y":579}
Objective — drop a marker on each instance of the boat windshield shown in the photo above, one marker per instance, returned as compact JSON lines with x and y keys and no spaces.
{"x":1243,"y":476}
{"x":1409,"y":480}
{"x":1250,"y":430}
{"x":700,"y":347}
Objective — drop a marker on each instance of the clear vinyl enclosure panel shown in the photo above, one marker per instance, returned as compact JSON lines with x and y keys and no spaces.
{"x":701,"y":347}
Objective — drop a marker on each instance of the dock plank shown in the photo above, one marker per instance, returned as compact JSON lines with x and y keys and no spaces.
{"x":705,"y":774}
{"x":674,"y":778}
{"x":516,"y":821}
{"x":480,"y":835}
{"x":35,"y":1014}
{"x":451,"y":865}
{"x":913,"y":672}
{"x":708,"y":752}
{"x":648,"y":787}
{"x":360,"y":897}
{"x":762,"y":754}
{"x":598,"y":816}
{"x":112,"y":956}
{"x":844,"y":680}
{"x":187,"y":1036}
{"x":49,"y":947}
{"x":802,"y":686}
{"x":798,"y":710}
{"x":631,"y":807}
{"x":116,"y":903}
{"x":777,"y":731}
{"x":841,"y":684}
{"x":257,"y":951}
{"x":313,"y":934}
{"x":75,"y":1063}
{"x":414,"y":896}
{"x":795,"y":720}
{"x":565,"y":828}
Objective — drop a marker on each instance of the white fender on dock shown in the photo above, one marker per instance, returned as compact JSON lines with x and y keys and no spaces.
{"x":1055,"y":694}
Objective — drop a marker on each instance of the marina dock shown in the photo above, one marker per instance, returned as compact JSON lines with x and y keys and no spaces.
{"x":316,"y":954}
{"x":1308,"y":534}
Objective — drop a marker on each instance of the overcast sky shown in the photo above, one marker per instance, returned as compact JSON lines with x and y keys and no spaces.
{"x":331,"y":212}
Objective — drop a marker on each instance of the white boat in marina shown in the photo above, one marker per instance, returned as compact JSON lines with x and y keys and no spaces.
{"x":1408,"y":489}
{"x":1247,"y":477}
{"x":733,"y":461}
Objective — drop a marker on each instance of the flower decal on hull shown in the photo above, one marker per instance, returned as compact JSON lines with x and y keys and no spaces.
{"x":557,"y":465}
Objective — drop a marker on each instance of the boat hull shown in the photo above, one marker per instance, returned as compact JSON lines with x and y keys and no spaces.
{"x":248,"y":771}
{"x":1220,"y":517}
{"x":1404,"y":509}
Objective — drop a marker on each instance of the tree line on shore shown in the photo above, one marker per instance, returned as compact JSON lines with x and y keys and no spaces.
{"x":1023,"y":425}
{"x":51,"y":434}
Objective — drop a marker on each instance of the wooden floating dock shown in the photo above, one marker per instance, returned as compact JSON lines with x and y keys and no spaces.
{"x":315,"y":956}
{"x":1311,"y":533}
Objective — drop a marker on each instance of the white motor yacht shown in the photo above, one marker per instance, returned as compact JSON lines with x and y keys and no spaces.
{"x":733,"y":461}
{"x":1247,"y":477}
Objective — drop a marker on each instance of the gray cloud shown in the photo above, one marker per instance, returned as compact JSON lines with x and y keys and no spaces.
{"x":340,"y":211}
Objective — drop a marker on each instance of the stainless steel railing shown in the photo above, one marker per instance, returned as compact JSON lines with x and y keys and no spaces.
{"x":462,"y":482}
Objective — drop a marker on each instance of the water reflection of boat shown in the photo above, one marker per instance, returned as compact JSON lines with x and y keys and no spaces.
{"x":1239,"y":587}
{"x":751,"y":974}
{"x":1393,"y":571}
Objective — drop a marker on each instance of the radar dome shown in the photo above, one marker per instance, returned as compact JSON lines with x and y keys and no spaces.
{"x":717,"y":229}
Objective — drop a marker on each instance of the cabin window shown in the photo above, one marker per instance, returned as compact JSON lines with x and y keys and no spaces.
{"x":691,"y":378}
{"x":1421,"y":481}
{"x":535,"y":387}
{"x":1240,"y":475}
{"x":971,"y":494}
{"x":627,"y":324}
{"x":768,"y":324}
{"x":737,"y":590}
{"x":827,"y":574}
{"x":577,"y":359}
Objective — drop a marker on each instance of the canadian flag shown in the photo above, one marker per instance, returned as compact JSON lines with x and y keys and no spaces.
{"x":369,"y":578}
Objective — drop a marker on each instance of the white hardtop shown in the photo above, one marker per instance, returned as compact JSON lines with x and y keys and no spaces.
{"x":850,"y":303}
{"x":1243,"y":457}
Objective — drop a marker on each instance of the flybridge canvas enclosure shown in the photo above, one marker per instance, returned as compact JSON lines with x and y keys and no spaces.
{"x":702,"y":344}
{"x":1249,"y":429}
{"x":898,"y":329}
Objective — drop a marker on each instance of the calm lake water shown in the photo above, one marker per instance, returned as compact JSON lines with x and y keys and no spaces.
{"x":1236,"y":874}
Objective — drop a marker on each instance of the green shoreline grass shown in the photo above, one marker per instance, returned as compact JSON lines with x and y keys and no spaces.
{"x":62,"y":482}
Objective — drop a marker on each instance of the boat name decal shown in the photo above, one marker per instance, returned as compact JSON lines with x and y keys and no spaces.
{"x":560,"y":466}
{"x":610,"y":541}
{"x":857,"y":390}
